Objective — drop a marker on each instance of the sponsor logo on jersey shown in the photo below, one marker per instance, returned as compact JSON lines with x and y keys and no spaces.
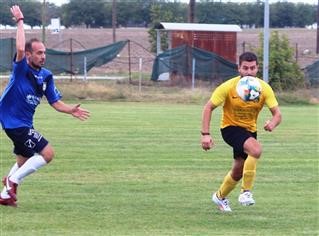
{"x":33,"y":100}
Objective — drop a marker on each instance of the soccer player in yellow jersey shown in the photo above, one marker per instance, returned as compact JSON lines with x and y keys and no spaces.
{"x":239,"y":130}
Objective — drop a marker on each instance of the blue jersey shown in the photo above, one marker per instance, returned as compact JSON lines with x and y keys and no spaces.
{"x":23,"y":94}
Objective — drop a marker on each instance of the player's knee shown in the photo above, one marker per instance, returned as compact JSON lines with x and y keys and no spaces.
{"x":47,"y":153}
{"x":253,"y":147}
{"x":256,"y":151}
{"x":48,"y":157}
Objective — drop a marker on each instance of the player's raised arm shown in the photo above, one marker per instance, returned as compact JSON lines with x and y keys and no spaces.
{"x":20,"y":37}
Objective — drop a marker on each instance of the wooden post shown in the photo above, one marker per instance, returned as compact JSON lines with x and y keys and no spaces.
{"x":114,"y":22}
{"x":191,"y":11}
{"x":129,"y":62}
{"x":71,"y":59}
{"x":43,"y":21}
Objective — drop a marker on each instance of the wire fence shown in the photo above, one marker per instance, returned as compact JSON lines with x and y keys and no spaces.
{"x":135,"y":59}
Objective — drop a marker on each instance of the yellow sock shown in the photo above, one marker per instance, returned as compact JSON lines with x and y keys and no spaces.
{"x":249,"y":173}
{"x":227,"y":186}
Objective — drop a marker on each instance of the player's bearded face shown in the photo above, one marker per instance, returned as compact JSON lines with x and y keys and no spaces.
{"x":248,"y":68}
{"x":37,"y":56}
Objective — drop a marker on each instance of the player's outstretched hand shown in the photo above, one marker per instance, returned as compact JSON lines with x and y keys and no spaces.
{"x":80,"y":113}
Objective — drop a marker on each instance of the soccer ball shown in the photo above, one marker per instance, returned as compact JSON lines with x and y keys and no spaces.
{"x":248,"y":88}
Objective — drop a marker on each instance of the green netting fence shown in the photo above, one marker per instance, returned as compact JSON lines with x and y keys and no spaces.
{"x":7,"y":51}
{"x":58,"y":62}
{"x":186,"y":61}
{"x":312,"y":74}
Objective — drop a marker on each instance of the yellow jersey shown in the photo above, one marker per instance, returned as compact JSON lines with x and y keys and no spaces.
{"x":237,"y":112}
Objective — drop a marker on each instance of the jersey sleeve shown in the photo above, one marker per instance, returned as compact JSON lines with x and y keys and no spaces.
{"x":220,"y":93}
{"x":270,"y":97}
{"x":19,"y":68}
{"x":51,"y":92}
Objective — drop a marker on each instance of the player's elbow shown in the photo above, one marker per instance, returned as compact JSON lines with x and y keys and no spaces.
{"x":277,"y":117}
{"x":209,"y":107}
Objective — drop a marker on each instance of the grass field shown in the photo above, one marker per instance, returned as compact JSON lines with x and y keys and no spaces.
{"x":138,"y":169}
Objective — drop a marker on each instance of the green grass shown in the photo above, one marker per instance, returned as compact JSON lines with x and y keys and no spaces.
{"x":138,"y":169}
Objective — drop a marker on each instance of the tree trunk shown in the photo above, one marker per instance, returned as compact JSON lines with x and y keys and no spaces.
{"x":191,"y":11}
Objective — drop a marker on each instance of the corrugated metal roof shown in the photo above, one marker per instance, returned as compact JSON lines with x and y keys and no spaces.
{"x":199,"y":27}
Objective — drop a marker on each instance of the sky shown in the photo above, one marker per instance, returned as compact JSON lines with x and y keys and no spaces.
{"x":60,"y":2}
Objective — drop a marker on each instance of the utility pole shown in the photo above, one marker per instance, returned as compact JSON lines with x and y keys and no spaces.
{"x":191,"y":11}
{"x":43,"y":20}
{"x":266,"y":42}
{"x":114,"y":23}
{"x":318,"y":27}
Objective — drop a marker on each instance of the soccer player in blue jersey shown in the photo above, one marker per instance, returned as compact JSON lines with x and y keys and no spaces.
{"x":28,"y":83}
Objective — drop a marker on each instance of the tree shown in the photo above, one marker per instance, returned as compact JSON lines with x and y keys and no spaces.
{"x":255,"y":14}
{"x":210,"y":13}
{"x":5,"y":15}
{"x":52,"y":12}
{"x":284,"y":72}
{"x":304,"y":15}
{"x":71,"y":14}
{"x":134,"y":13}
{"x":32,"y":12}
{"x":79,"y":12}
{"x":163,"y":13}
{"x":282,"y":14}
{"x":98,"y":13}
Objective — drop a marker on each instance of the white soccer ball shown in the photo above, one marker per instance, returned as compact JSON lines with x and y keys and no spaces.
{"x":248,"y":88}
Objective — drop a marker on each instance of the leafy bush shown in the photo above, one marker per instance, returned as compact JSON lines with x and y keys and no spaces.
{"x":284,"y":72}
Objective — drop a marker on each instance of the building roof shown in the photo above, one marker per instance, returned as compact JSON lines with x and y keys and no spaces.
{"x":199,"y":27}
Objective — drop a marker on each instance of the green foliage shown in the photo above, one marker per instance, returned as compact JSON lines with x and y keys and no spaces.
{"x":288,"y":14}
{"x":5,"y":14}
{"x":284,"y":11}
{"x":133,"y":13}
{"x":284,"y":72}
{"x":32,"y":11}
{"x":163,"y":13}
{"x":98,"y":13}
{"x":304,"y":15}
{"x":79,"y":12}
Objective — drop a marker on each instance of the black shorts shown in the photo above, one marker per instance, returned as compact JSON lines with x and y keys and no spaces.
{"x":235,"y":137}
{"x":27,"y":141}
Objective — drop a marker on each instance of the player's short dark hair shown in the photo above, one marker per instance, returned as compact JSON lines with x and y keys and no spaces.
{"x":28,"y":44}
{"x":248,"y":56}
